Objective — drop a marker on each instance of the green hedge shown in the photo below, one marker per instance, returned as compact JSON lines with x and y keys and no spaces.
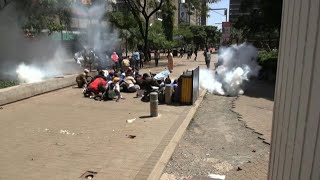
{"x":4,"y":83}
{"x":268,"y":60}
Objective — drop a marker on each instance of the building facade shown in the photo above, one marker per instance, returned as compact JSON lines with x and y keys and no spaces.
{"x":235,"y":9}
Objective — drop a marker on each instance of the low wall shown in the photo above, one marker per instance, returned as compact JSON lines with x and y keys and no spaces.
{"x":23,"y":91}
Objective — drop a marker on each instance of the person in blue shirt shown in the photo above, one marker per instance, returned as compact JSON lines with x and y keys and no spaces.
{"x":136,"y":59}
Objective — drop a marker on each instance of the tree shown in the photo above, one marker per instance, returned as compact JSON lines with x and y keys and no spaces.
{"x":168,"y":10}
{"x":183,"y":35}
{"x":237,"y":35}
{"x":5,"y":3}
{"x":199,"y":36}
{"x":54,"y":15}
{"x":200,"y":6}
{"x":125,"y":22}
{"x":263,"y":24}
{"x":142,"y":11}
{"x":211,"y":32}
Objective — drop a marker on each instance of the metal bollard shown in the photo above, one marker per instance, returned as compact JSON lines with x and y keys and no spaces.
{"x":153,"y":104}
{"x":168,"y":94}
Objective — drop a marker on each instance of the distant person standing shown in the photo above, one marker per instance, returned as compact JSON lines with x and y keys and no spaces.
{"x":195,"y":53}
{"x":170,"y":61}
{"x":149,"y":55}
{"x":115,"y":59}
{"x":136,"y":59}
{"x":156,"y":57}
{"x":207,"y":56}
{"x":142,"y":59}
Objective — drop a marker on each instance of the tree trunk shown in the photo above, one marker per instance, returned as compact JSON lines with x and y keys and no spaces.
{"x":126,"y":44}
{"x":61,"y":29}
{"x":146,"y":45}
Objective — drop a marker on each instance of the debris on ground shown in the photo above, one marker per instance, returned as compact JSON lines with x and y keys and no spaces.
{"x":217,"y":177}
{"x":60,"y":144}
{"x":66,"y":132}
{"x":131,"y":136}
{"x":131,"y":120}
{"x":239,"y":169}
{"x":253,"y":150}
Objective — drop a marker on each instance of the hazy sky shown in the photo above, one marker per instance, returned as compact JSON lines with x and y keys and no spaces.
{"x":214,"y":16}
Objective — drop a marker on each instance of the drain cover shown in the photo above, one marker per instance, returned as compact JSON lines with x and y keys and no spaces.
{"x":88,"y":175}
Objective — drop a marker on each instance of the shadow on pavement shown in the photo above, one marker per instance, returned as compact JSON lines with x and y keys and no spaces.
{"x":260,"y":89}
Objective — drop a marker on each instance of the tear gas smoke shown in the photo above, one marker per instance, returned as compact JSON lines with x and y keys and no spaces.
{"x":29,"y":74}
{"x":100,"y":38}
{"x":236,"y":65}
{"x":35,"y":59}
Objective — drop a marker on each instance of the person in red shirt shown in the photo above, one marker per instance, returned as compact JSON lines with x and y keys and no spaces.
{"x":97,"y":87}
{"x":115,"y":59}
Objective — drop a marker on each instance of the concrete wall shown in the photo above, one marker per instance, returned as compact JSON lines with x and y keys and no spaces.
{"x":295,"y":146}
{"x":23,"y":91}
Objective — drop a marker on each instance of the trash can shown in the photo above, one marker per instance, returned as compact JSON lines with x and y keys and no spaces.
{"x":186,"y":88}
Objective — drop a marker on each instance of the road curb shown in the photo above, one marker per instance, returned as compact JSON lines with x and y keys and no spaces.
{"x":169,"y":149}
{"x":24,"y":91}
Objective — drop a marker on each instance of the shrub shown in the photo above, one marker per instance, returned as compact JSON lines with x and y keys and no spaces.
{"x":4,"y":83}
{"x":268,"y":61}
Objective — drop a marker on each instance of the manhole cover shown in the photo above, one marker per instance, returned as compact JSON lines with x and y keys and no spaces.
{"x":88,"y":175}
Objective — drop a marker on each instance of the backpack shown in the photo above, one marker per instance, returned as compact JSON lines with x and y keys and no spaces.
{"x":135,"y":56}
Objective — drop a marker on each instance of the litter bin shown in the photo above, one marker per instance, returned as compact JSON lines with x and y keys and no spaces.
{"x":186,"y":90}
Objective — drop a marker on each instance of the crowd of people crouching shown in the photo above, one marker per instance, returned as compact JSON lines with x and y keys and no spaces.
{"x":109,"y":85}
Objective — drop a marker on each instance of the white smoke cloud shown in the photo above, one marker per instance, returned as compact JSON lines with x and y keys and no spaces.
{"x":33,"y":60}
{"x":100,"y":37}
{"x":29,"y":74}
{"x":236,"y":65}
{"x":54,"y":66}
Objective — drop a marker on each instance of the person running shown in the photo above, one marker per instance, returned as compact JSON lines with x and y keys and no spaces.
{"x":207,"y":56}
{"x":195,"y":53}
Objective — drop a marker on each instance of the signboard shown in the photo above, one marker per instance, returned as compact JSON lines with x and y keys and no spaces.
{"x":226,"y":31}
{"x":184,"y":16}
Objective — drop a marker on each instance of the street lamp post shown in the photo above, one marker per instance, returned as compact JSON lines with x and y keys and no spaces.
{"x":224,"y":9}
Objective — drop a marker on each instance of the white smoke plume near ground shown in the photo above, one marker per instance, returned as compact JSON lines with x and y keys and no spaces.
{"x":29,"y":74}
{"x":36,"y":71}
{"x":236,"y":65}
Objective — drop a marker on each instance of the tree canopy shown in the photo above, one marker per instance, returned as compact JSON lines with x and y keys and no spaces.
{"x":142,"y":12}
{"x":263,"y":23}
{"x":54,"y":15}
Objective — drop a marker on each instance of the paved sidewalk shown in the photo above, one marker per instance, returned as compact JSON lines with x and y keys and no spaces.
{"x":61,"y":135}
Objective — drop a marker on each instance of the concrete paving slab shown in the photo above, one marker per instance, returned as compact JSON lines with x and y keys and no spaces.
{"x":61,"y":135}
